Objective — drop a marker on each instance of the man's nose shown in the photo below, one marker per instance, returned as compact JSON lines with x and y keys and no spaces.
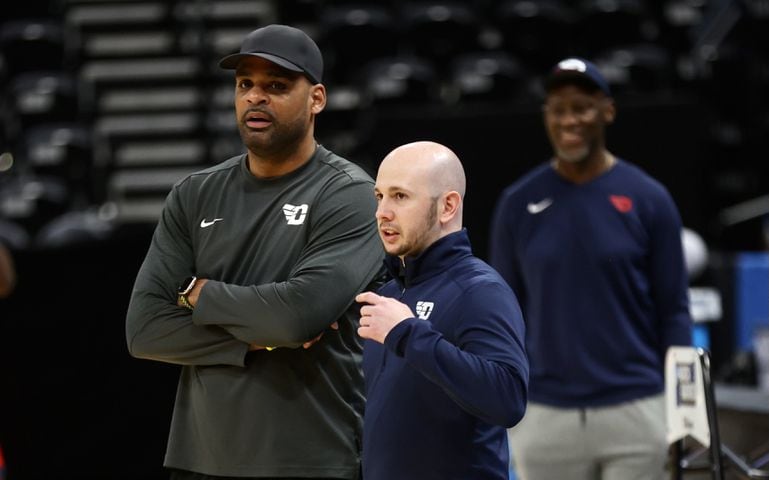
{"x":383,"y":211}
{"x":257,"y":95}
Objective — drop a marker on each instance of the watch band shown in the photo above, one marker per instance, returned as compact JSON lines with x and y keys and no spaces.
{"x":185,"y":302}
{"x":184,"y":289}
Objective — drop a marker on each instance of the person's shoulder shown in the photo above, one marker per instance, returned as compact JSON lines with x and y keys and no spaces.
{"x":341,"y":167}
{"x":476,"y":275}
{"x":479,"y":269}
{"x":224,"y":167}
{"x":640,"y":177}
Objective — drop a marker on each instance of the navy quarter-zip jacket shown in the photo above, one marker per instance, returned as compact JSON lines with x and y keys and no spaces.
{"x":447,"y":383}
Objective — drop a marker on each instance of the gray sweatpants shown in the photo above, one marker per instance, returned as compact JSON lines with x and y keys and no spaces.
{"x":619,"y":442}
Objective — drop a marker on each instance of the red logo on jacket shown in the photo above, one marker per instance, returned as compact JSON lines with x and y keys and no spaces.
{"x":622,"y":203}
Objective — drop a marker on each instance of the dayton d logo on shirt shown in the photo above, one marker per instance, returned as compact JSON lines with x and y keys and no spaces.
{"x":295,"y":214}
{"x":424,"y":309}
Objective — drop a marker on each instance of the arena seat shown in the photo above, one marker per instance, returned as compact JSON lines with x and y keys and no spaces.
{"x":351,"y":35}
{"x":488,"y":76}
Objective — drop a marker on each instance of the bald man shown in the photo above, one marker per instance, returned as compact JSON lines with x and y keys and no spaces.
{"x":444,"y":361}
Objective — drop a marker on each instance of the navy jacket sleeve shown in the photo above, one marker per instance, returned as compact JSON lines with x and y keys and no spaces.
{"x":485,"y":368}
{"x":669,"y":278}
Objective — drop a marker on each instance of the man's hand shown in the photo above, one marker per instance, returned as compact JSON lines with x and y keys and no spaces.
{"x":379,"y":315}
{"x":310,"y":343}
{"x":192,"y":297}
{"x":252,"y":347}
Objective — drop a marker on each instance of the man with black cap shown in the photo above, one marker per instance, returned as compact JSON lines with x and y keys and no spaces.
{"x":249,"y":283}
{"x":591,"y":245}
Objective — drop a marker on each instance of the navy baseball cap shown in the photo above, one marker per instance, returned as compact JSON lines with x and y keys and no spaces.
{"x":577,"y":71}
{"x":283,"y":45}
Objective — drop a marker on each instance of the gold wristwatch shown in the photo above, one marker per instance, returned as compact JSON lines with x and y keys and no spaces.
{"x":184,"y":289}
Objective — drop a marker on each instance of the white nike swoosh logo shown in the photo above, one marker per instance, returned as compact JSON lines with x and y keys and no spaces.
{"x":535,"y":208}
{"x":204,"y":223}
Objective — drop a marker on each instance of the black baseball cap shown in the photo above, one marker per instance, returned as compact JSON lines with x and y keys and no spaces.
{"x":577,"y":71}
{"x":283,"y":45}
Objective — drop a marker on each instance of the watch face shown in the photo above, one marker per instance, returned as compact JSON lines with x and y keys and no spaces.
{"x":187,"y":285}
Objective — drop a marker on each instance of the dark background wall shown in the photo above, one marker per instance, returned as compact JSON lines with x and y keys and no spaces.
{"x":73,"y":403}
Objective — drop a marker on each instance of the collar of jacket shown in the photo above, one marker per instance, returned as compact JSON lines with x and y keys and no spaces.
{"x":436,"y":258}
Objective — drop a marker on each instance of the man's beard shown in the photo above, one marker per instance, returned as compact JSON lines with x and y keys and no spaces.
{"x":573,"y":155}
{"x":281,"y":140}
{"x":418,"y":243}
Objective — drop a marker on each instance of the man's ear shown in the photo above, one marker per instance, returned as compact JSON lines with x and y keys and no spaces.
{"x":317,"y":98}
{"x":450,"y":206}
{"x":609,"y":111}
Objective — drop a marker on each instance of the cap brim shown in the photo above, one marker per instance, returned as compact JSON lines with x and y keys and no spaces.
{"x":230,"y":62}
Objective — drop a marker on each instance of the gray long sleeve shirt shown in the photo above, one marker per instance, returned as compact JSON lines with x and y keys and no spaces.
{"x":284,"y":258}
